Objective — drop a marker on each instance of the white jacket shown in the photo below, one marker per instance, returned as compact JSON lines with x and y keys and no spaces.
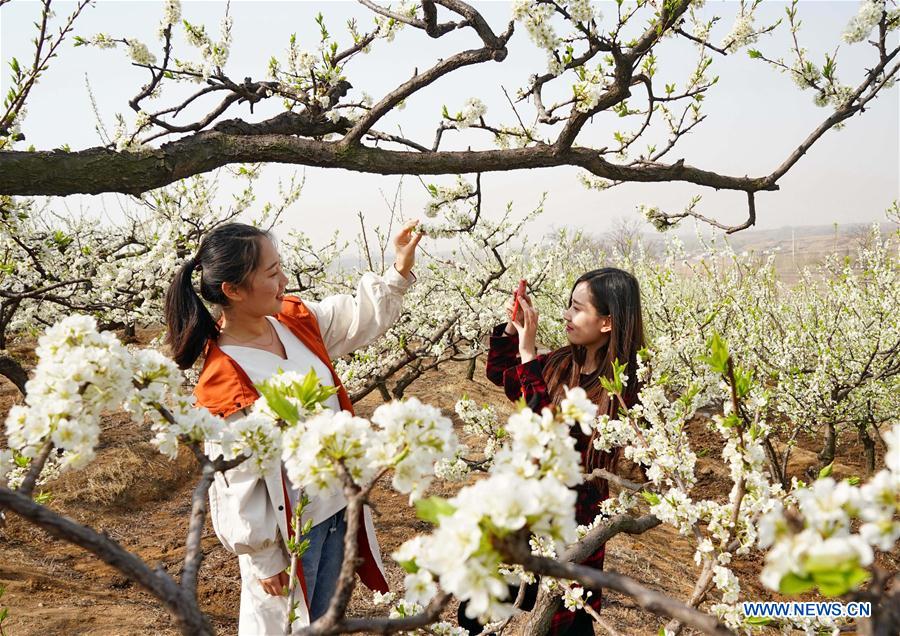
{"x":248,"y":513}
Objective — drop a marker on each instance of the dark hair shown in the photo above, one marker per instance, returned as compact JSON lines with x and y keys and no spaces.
{"x":227,"y":254}
{"x":614,"y":293}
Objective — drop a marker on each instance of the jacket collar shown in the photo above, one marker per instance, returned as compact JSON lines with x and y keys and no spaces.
{"x":225,"y":388}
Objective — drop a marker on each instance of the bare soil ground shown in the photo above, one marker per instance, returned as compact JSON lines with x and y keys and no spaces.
{"x":142,"y":500}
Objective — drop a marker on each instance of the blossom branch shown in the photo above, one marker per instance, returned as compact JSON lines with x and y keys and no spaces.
{"x":518,"y":551}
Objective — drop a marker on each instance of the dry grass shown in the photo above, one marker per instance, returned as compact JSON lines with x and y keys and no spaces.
{"x":133,"y":475}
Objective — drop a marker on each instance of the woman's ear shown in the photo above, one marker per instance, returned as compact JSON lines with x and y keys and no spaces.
{"x":606,"y":324}
{"x":231,"y":291}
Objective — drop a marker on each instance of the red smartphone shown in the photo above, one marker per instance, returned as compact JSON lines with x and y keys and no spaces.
{"x":516,"y":296}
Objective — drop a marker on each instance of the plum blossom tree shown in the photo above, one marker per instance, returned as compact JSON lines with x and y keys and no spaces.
{"x":598,"y":66}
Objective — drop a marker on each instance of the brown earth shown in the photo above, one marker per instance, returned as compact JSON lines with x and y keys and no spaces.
{"x":142,"y":500}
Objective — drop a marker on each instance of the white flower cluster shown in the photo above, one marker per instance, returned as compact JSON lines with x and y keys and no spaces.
{"x":79,"y":374}
{"x":526,"y":489}
{"x":536,"y":16}
{"x":471,"y":113}
{"x":861,"y":25}
{"x":408,"y":436}
{"x":480,"y":422}
{"x":82,"y":373}
{"x":448,"y":196}
{"x":540,"y":446}
{"x":403,"y":607}
{"x":581,"y":10}
{"x":12,"y":474}
{"x":452,"y":469}
{"x":140,"y":54}
{"x":313,"y":447}
{"x":159,"y":382}
{"x":171,"y":13}
{"x":502,"y":504}
{"x":827,"y":553}
{"x":742,"y":33}
{"x":589,"y":89}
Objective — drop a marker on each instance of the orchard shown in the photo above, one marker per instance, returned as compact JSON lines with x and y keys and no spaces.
{"x":742,"y":370}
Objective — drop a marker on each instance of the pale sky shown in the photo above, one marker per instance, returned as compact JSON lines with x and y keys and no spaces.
{"x":756,"y":116}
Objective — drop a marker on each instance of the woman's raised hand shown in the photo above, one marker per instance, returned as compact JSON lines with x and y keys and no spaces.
{"x":405,"y":247}
{"x":527,"y":329}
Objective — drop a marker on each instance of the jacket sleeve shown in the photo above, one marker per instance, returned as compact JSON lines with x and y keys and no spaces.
{"x":503,"y":353}
{"x":243,"y":517}
{"x":348,"y":322}
{"x":505,"y":368}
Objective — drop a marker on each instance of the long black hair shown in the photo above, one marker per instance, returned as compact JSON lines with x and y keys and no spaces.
{"x":227,"y":254}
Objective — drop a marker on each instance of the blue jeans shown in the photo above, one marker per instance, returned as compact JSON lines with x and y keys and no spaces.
{"x":322,"y":562}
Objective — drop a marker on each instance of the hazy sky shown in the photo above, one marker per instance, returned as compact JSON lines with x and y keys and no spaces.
{"x":756,"y":116}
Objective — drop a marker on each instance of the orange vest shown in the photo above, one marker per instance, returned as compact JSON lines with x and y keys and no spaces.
{"x":225,"y":388}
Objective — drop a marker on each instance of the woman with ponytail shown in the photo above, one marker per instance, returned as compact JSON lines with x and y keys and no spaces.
{"x":237,"y":270}
{"x":603,"y":324}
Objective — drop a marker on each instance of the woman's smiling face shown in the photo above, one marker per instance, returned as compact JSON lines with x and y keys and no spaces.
{"x":263,"y":290}
{"x":584,"y":326}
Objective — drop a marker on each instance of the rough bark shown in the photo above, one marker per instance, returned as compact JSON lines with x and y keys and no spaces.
{"x":14,"y":372}
{"x":98,"y":170}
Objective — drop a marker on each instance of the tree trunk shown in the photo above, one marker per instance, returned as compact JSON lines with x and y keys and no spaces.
{"x":7,"y":311}
{"x":470,"y":372}
{"x":868,"y":447}
{"x":826,"y":455}
{"x":14,"y":372}
{"x":775,"y":470}
{"x":545,"y":607}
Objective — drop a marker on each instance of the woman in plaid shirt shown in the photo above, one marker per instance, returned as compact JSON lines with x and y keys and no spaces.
{"x":603,"y":324}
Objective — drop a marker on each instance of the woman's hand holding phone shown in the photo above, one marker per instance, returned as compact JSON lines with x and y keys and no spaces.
{"x":527,"y":328}
{"x":512,"y":308}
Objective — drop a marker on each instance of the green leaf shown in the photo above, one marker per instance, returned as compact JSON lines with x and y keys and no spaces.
{"x":856,"y":577}
{"x":754,"y":54}
{"x":650,"y":497}
{"x":432,"y":508}
{"x":743,"y":381}
{"x":718,"y":358}
{"x":791,"y":584}
{"x":826,"y":471}
{"x":280,"y":404}
{"x":831,"y":583}
{"x":758,"y":620}
{"x":409,"y":566}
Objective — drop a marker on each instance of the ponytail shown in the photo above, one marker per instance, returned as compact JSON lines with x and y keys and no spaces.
{"x":189,"y":321}
{"x":228,"y":254}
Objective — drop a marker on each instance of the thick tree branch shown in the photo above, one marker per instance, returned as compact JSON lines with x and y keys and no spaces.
{"x":518,"y":551}
{"x":188,"y":615}
{"x":547,"y":603}
{"x":193,"y":555}
{"x":99,"y":170}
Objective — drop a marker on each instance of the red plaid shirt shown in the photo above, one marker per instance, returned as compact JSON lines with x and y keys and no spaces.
{"x":504,"y":368}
